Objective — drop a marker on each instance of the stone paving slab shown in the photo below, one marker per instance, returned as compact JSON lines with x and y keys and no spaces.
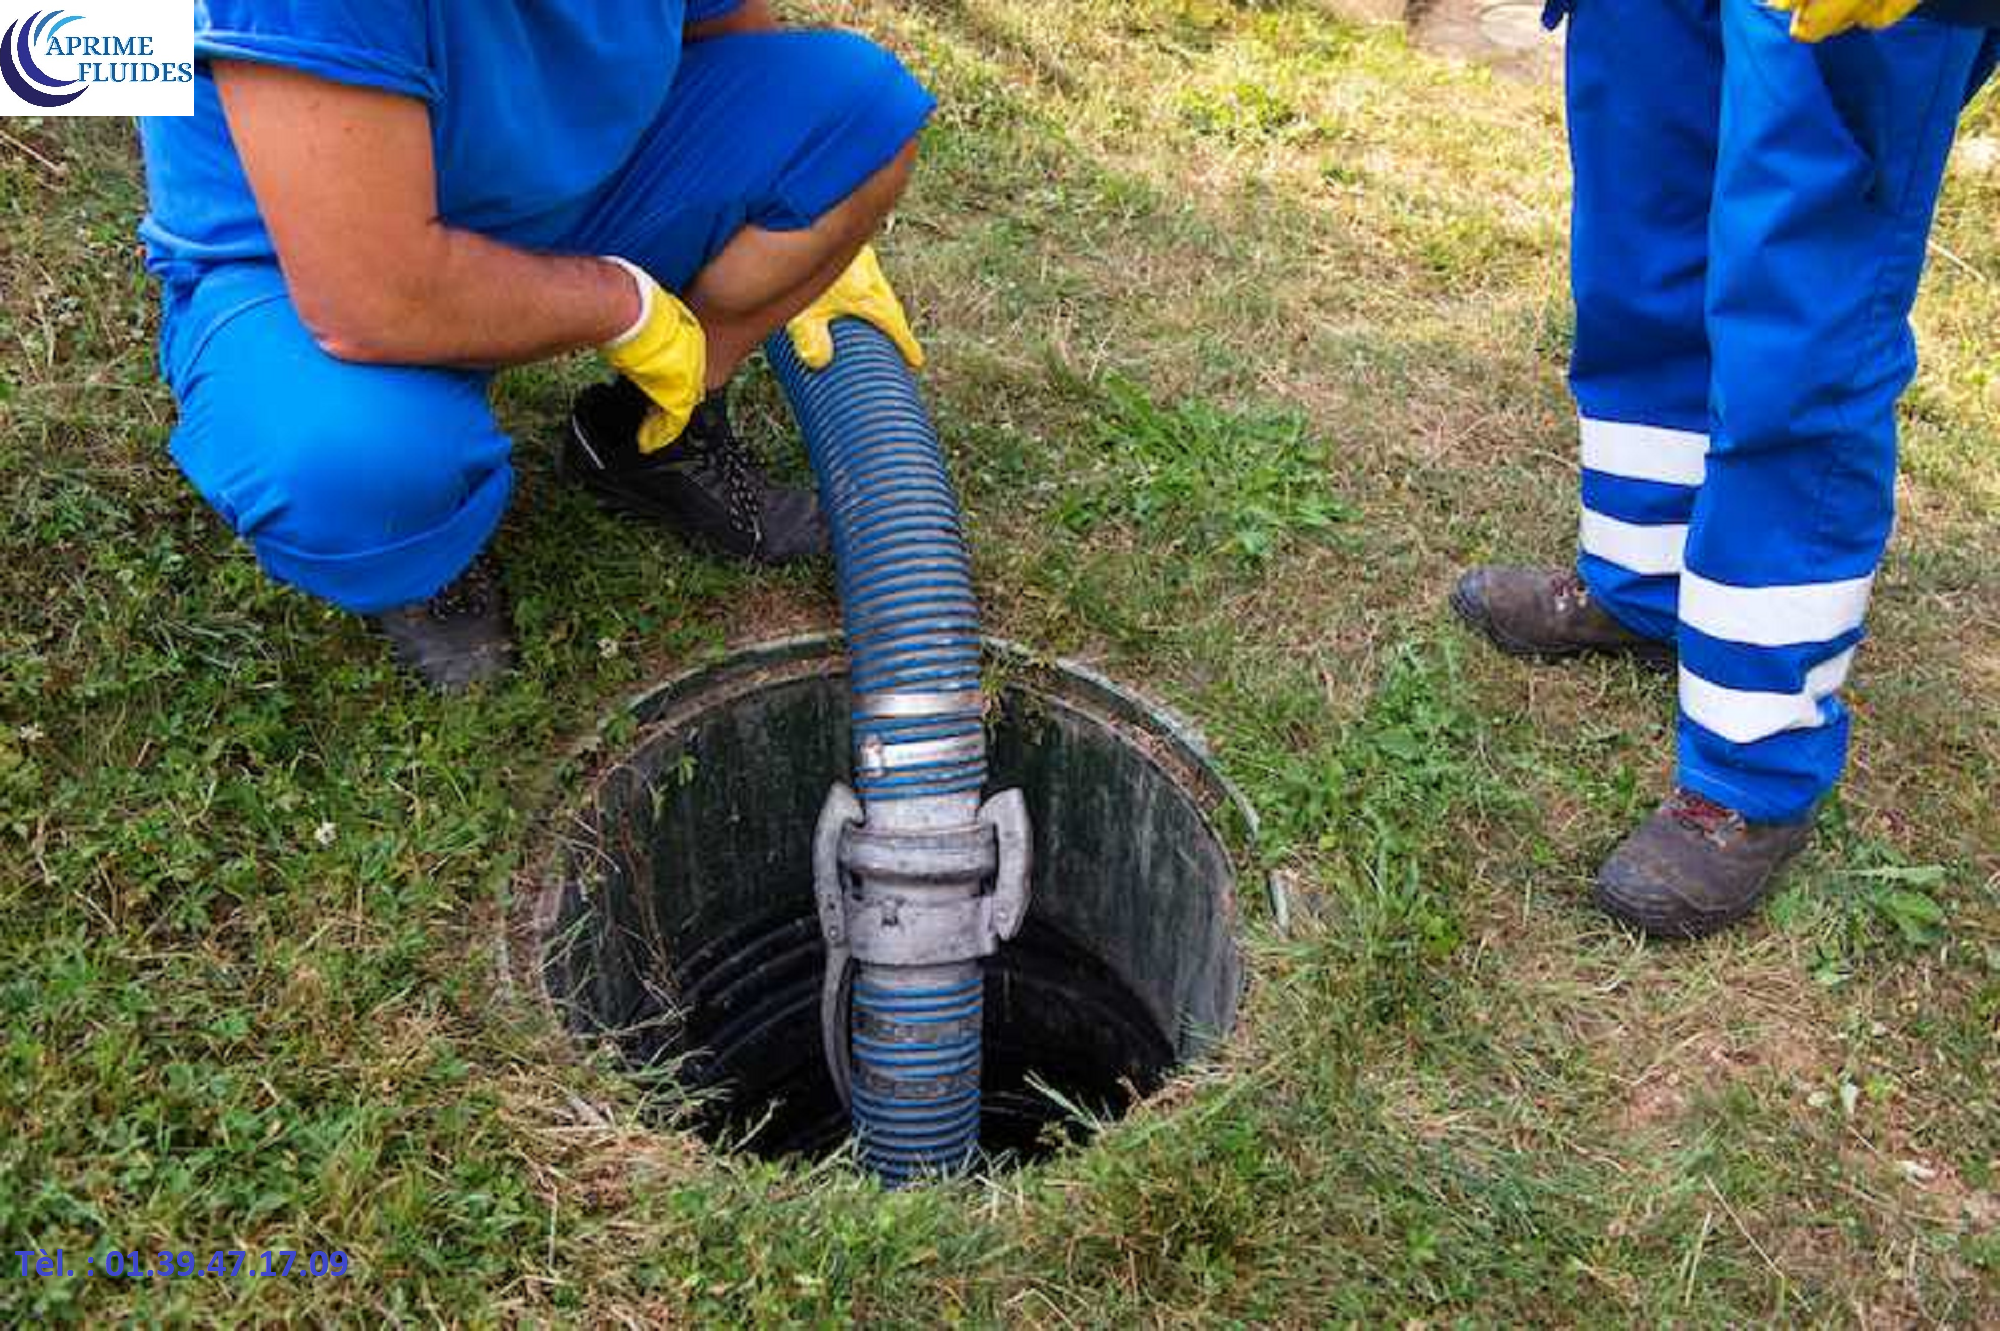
{"x":1506,"y":34}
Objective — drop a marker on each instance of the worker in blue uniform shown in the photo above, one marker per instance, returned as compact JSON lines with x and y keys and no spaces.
{"x":378,"y":203}
{"x":1750,"y":216}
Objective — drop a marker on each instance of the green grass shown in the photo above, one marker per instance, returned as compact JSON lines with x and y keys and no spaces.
{"x":1247,"y":329}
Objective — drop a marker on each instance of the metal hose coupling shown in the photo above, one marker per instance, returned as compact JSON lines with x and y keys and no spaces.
{"x":911,"y":910}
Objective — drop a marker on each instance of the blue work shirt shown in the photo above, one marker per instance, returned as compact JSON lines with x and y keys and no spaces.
{"x":535,"y":104}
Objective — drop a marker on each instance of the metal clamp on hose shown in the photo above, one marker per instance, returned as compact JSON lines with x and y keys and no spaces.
{"x":912,"y":898}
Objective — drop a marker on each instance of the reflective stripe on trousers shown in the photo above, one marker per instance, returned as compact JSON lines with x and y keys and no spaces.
{"x":1750,"y":221}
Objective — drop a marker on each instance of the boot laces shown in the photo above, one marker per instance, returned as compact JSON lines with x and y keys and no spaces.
{"x":1702,"y":815}
{"x":468,"y":595}
{"x":1569,"y":593}
{"x":728,"y":459}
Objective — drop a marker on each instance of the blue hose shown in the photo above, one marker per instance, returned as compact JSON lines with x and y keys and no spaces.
{"x":912,"y":627}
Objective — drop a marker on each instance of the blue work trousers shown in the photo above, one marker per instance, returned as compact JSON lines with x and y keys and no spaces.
{"x":1750,"y":225}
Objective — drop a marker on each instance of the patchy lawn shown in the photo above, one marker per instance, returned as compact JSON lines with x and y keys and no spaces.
{"x":1248,"y":329}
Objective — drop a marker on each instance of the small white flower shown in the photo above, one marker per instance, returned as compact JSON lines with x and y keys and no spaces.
{"x":325,"y":834}
{"x":29,"y":733}
{"x":607,"y":647}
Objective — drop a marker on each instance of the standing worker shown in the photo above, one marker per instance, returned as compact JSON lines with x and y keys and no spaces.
{"x":377,"y":203}
{"x":1751,"y":212}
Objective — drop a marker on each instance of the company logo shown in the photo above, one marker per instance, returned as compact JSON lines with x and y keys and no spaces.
{"x":17,"y":62}
{"x":132,"y":64}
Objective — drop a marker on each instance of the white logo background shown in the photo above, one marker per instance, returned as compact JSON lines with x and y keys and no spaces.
{"x":142,"y":62}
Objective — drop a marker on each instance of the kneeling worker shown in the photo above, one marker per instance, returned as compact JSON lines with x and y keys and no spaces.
{"x":377,"y":203}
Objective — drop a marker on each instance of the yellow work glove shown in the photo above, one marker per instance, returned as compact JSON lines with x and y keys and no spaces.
{"x":666,"y":354}
{"x":864,"y":293}
{"x":1816,"y":20}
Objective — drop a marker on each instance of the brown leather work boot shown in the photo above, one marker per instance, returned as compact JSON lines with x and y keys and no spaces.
{"x":1547,"y":614}
{"x":1695,"y":867}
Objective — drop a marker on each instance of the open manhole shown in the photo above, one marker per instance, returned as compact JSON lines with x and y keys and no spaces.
{"x":673,"y":916}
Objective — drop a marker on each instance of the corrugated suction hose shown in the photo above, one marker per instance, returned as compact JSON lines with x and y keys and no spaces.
{"x":917,"y":881}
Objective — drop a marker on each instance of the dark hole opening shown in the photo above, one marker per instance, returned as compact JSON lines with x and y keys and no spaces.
{"x":677,"y":922}
{"x":1054,"y":1015}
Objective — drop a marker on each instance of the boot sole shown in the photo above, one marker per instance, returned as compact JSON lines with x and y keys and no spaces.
{"x":1678,"y":922}
{"x":1654,"y":656}
{"x":452,"y":668}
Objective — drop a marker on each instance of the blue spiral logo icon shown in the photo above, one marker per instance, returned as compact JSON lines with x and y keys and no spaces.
{"x":17,"y":61}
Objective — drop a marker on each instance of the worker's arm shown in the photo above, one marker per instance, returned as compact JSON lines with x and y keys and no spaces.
{"x":346,"y":183}
{"x":750,"y":16}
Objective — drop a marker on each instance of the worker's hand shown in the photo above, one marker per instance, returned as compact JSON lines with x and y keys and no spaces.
{"x":863,"y":292}
{"x":1816,"y":20}
{"x":666,"y":354}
